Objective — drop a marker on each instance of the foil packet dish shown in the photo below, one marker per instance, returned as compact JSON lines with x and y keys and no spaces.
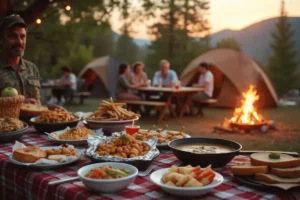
{"x":141,"y":161}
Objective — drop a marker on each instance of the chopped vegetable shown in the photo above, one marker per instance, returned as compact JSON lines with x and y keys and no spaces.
{"x":107,"y":172}
{"x":125,"y":137}
{"x":274,"y":155}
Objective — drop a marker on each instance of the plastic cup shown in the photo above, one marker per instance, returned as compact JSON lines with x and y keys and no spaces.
{"x":130,"y":130}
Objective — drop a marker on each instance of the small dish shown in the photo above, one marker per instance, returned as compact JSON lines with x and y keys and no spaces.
{"x":13,"y":135}
{"x":107,"y":185}
{"x":156,"y":178}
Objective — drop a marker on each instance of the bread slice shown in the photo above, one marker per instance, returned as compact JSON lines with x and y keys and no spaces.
{"x":272,"y":179}
{"x":32,"y":109}
{"x":29,"y":154}
{"x":293,"y":172}
{"x":57,"y":157}
{"x":248,"y":170}
{"x":285,"y":161}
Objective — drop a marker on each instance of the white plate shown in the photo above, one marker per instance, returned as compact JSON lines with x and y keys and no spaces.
{"x":72,"y":142}
{"x":156,"y":178}
{"x":80,"y":153}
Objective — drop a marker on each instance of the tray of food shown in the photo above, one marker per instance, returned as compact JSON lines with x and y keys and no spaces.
{"x":187,"y":181}
{"x":270,"y":171}
{"x":163,"y":136}
{"x":111,"y":117}
{"x":73,"y":136}
{"x":124,"y":148}
{"x":47,"y":157}
{"x":53,"y":120}
{"x":11,"y":129}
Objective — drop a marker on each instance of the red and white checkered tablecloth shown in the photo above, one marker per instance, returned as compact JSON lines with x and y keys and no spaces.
{"x":25,"y":183}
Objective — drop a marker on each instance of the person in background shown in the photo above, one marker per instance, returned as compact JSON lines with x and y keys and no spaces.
{"x":138,"y":77}
{"x":66,"y":86}
{"x":123,"y":86}
{"x":206,"y":80}
{"x":14,"y":70}
{"x":166,"y":77}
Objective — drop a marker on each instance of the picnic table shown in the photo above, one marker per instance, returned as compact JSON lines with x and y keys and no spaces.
{"x":25,"y":183}
{"x":181,"y":93}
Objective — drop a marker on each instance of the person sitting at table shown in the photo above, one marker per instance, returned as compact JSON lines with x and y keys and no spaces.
{"x":166,"y":77}
{"x":123,"y":86}
{"x":66,"y":86}
{"x":138,"y":77}
{"x":206,"y":80}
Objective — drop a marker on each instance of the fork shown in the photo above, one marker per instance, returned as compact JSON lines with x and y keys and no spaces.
{"x":147,"y":171}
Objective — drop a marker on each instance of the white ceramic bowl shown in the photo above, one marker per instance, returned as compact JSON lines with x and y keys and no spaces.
{"x":107,"y":185}
{"x":109,"y":127}
{"x":156,"y":178}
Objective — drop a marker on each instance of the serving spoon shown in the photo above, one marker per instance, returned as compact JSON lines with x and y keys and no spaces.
{"x":63,"y":181}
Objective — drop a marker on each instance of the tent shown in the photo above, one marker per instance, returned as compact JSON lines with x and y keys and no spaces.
{"x":101,"y":74}
{"x":233,"y":72}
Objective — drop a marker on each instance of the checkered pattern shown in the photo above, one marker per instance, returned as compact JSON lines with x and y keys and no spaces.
{"x":25,"y":183}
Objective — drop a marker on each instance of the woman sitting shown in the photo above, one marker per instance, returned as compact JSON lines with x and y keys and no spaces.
{"x":123,"y":86}
{"x":138,"y":77}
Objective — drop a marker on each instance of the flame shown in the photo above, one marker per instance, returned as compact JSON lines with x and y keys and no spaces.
{"x":247,"y":114}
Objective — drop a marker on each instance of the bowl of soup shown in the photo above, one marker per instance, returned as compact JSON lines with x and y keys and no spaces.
{"x":205,"y":151}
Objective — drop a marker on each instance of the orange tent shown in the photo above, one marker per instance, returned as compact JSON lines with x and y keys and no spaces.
{"x":233,"y":72}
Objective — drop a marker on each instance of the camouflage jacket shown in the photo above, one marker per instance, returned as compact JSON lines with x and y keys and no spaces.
{"x":25,"y":78}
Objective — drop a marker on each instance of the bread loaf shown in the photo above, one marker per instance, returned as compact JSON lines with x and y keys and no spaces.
{"x":29,"y":154}
{"x":285,"y":161}
{"x":272,"y":179}
{"x":293,"y":172}
{"x":248,"y":169}
{"x":32,"y":110}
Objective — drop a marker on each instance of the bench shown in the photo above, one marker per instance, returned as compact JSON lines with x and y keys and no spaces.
{"x":203,"y":103}
{"x":82,"y":96}
{"x":80,"y":93}
{"x":162,"y":106}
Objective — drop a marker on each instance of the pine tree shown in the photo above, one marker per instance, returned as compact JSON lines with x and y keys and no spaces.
{"x":282,"y":64}
{"x":231,"y":43}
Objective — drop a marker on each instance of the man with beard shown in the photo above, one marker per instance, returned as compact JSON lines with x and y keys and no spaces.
{"x":14,"y":70}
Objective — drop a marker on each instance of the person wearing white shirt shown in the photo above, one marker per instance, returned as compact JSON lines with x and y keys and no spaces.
{"x":166,"y":77}
{"x":206,"y":80}
{"x":66,"y":85}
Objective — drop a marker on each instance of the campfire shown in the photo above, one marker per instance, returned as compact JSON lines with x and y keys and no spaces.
{"x":246,"y":117}
{"x":246,"y":113}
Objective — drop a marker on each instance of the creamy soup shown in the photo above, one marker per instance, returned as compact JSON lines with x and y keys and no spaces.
{"x":204,"y":148}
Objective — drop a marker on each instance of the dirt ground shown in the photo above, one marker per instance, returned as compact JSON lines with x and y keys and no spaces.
{"x":285,"y":138}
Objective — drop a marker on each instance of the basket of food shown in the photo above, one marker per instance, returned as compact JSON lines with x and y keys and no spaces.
{"x":123,"y":148}
{"x":111,"y":117}
{"x":54,"y":120}
{"x":10,"y":103}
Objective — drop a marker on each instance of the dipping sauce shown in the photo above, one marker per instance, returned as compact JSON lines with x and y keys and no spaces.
{"x":132,"y":129}
{"x":204,"y":148}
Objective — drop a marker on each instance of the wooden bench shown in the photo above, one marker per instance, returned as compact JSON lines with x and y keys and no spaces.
{"x":82,"y":96}
{"x":158,"y":105}
{"x":203,"y":103}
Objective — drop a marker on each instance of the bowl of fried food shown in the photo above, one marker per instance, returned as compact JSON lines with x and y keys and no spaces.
{"x":111,"y":117}
{"x":53,"y":120}
{"x":122,"y":148}
{"x":11,"y":129}
{"x":187,"y":181}
{"x":108,"y":177}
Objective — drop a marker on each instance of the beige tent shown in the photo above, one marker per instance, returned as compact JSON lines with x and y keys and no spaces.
{"x":233,"y":72}
{"x":102,"y":73}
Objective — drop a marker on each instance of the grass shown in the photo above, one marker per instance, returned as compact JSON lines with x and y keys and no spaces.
{"x":286,"y":138}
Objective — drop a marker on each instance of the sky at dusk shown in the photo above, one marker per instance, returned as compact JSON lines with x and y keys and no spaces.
{"x":232,"y":14}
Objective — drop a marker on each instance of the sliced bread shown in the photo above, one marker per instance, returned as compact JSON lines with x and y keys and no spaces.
{"x":293,"y":172}
{"x":284,"y":161}
{"x":270,"y":178}
{"x":248,"y":169}
{"x":57,"y":157}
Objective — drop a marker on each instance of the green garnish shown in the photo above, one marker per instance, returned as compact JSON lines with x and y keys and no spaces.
{"x":7,"y":118}
{"x":125,"y":137}
{"x":116,"y":172}
{"x":274,"y":155}
{"x":73,"y":129}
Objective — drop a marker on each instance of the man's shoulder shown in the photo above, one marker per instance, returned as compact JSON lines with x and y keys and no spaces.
{"x":28,"y":64}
